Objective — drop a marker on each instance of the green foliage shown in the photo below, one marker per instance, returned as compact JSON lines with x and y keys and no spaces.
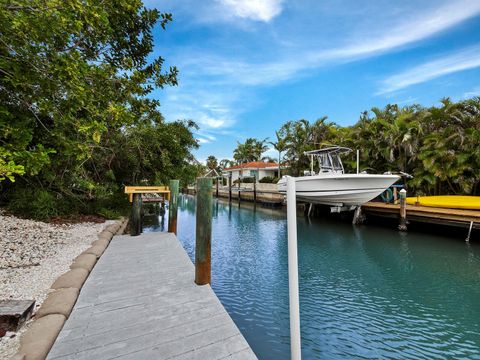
{"x":37,"y":204}
{"x":269,"y":180}
{"x":76,"y":118}
{"x":212,"y":162}
{"x":251,"y":150}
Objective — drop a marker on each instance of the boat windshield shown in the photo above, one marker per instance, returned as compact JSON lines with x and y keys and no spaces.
{"x":328,"y":159}
{"x":329,"y":162}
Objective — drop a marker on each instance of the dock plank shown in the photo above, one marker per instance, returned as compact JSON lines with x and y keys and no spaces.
{"x":141,"y":302}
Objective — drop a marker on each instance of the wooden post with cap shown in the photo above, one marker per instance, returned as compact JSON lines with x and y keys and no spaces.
{"x":203,"y":239}
{"x":173,"y":206}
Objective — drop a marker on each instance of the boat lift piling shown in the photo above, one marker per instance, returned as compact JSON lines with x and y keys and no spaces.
{"x":403,"y":210}
{"x":203,"y":239}
{"x":294,"y":300}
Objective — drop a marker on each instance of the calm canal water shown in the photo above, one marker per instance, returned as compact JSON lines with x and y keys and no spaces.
{"x":365,"y":292}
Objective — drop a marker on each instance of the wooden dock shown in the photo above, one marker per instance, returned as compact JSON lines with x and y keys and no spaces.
{"x":141,"y":302}
{"x":452,"y":217}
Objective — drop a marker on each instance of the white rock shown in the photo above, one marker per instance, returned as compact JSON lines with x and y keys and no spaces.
{"x":32,"y":255}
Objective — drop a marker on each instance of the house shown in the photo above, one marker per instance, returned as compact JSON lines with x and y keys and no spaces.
{"x":258,"y":169}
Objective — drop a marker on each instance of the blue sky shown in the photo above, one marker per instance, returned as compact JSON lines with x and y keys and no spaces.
{"x":247,"y":67}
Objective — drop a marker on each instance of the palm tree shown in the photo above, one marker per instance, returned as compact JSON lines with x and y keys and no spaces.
{"x":251,"y":150}
{"x":212,"y":162}
{"x":280,"y":145}
{"x":225,"y":164}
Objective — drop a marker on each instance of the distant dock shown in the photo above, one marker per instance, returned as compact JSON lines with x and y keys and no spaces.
{"x":265,"y":194}
{"x":141,"y":302}
{"x":441,"y":216}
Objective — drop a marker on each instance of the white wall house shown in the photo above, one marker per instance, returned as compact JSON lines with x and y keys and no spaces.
{"x":257,"y":168}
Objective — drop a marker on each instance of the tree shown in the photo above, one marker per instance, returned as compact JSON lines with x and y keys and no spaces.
{"x":280,"y":145}
{"x":251,"y":150}
{"x":225,"y":164}
{"x":212,"y":162}
{"x":74,"y":86}
{"x":438,"y":145}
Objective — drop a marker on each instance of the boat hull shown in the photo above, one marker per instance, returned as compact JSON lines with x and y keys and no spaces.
{"x":339,"y":189}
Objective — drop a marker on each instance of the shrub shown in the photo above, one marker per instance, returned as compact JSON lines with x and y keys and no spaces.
{"x":269,"y":180}
{"x":38,"y":204}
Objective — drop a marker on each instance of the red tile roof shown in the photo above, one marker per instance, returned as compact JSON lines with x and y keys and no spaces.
{"x":253,"y":165}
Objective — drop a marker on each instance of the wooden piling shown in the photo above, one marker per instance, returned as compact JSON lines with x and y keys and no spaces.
{"x":403,"y":210}
{"x":254,"y":189}
{"x":173,"y":206}
{"x":216,"y":193}
{"x":230,"y":188}
{"x":136,"y":227}
{"x":203,"y":232}
{"x":239,"y":184}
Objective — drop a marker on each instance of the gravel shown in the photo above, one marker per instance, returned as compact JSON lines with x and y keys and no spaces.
{"x":33,"y":255}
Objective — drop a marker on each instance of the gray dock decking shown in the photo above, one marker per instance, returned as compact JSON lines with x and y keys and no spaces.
{"x":141,"y":302}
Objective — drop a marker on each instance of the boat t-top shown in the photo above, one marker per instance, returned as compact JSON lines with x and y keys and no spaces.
{"x":331,"y":186}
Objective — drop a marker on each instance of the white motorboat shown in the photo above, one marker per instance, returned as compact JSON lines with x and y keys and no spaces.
{"x":331,"y":186}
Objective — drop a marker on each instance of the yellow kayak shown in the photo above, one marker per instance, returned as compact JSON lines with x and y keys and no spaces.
{"x":447,"y":201}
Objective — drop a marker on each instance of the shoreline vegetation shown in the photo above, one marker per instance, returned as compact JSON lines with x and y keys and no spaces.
{"x":78,"y":118}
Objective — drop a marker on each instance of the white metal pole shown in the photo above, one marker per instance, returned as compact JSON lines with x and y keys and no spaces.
{"x":295,"y":346}
{"x":358,"y":161}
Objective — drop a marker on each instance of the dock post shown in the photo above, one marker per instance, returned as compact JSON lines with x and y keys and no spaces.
{"x":230,"y":188}
{"x":255,"y":189}
{"x":294,"y":299}
{"x":239,"y":195}
{"x":173,"y":206}
{"x":136,"y":227}
{"x":217,"y":187}
{"x":203,"y":239}
{"x":403,"y":210}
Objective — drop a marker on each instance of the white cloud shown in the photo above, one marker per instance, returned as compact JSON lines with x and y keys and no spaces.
{"x":219,"y":73}
{"x":463,"y":60}
{"x":472,"y":93}
{"x":203,"y":140}
{"x":260,"y":10}
{"x":423,"y":25}
{"x":374,"y":41}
